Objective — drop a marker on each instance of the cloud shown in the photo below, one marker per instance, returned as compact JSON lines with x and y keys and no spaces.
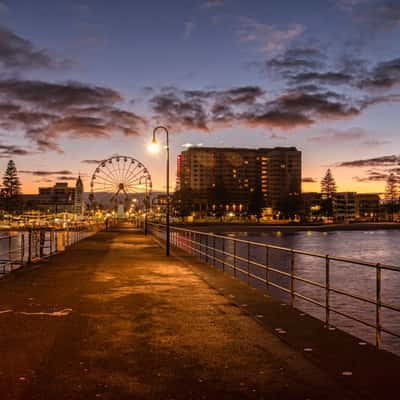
{"x":3,"y":8}
{"x":57,"y":96}
{"x":323,"y":104}
{"x":66,"y":178}
{"x":383,"y":16}
{"x":372,"y":176}
{"x":274,"y":136}
{"x":375,"y":142}
{"x":385,"y":75}
{"x":276,"y":119}
{"x":7,"y":151}
{"x":309,"y":180}
{"x":211,"y":4}
{"x":309,"y":70}
{"x":46,"y":111}
{"x":208,"y":110}
{"x":19,"y":53}
{"x":297,"y":59}
{"x":189,"y":28}
{"x":348,"y":5}
{"x":91,"y":161}
{"x":177,"y":111}
{"x":352,"y":134}
{"x":46,"y":173}
{"x":330,"y":77}
{"x":268,"y":38}
{"x":198,"y":109}
{"x":383,"y":161}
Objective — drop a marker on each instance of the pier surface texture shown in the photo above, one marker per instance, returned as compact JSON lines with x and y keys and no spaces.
{"x":113,"y":318}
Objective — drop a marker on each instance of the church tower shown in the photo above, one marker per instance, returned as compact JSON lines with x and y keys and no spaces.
{"x":79,"y":203}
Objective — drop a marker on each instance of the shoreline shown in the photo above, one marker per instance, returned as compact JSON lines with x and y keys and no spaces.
{"x":226,"y":228}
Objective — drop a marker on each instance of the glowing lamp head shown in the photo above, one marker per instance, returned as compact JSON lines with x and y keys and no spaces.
{"x":153,"y":147}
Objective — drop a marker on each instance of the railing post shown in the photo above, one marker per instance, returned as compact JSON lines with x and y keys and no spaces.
{"x":214,"y":250}
{"x":267,"y":266}
{"x":248,"y":262}
{"x":50,"y":242}
{"x":22,"y":247}
{"x":378,"y":306}
{"x":292,"y":261}
{"x":327,"y":291}
{"x":41,"y":243}
{"x":30,"y":246}
{"x":234,"y":257}
{"x":223,"y":253}
{"x":9,"y":247}
{"x":207,"y":248}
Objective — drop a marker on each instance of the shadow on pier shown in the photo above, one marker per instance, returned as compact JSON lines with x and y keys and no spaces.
{"x":113,"y":318}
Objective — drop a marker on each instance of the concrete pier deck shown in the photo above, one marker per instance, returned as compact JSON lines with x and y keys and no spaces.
{"x":113,"y":318}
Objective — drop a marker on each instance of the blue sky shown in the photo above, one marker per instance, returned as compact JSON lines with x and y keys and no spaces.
{"x":322,"y":75}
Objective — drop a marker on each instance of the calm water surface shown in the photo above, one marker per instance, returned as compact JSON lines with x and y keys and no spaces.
{"x":381,"y":246}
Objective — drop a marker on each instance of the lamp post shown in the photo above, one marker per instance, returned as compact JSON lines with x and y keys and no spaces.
{"x":153,"y":146}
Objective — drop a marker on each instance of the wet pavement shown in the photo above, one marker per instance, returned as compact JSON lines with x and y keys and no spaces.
{"x":113,"y":318}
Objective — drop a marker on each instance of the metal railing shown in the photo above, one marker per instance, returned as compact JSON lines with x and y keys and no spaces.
{"x":19,"y":248}
{"x":238,"y":256}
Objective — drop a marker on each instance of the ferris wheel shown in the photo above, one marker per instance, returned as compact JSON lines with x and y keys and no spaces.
{"x":117,"y":180}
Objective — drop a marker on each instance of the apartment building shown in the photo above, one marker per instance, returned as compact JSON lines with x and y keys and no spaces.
{"x":233,"y":174}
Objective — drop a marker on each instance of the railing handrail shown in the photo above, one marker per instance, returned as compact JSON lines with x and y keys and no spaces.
{"x":288,"y":249}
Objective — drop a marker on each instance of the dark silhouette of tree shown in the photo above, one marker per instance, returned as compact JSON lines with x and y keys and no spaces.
{"x":182,"y":201}
{"x":328,"y":190}
{"x":218,"y":197}
{"x":256,"y":203}
{"x":11,"y":190}
{"x":391,"y":194}
{"x":290,"y":206}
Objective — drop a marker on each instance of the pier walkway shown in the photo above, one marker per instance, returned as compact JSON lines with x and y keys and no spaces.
{"x":113,"y":318}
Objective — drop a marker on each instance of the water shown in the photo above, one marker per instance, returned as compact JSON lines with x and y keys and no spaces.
{"x":14,"y":246}
{"x":373,"y":246}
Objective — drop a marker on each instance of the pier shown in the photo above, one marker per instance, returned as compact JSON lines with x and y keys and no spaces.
{"x":114,"y":318}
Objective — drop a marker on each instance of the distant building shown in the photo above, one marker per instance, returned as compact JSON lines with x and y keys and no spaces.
{"x":367,"y":206}
{"x":79,"y":203}
{"x":230,"y":175}
{"x":344,"y":206}
{"x":311,"y":204}
{"x":58,"y":198}
{"x":159,"y":204}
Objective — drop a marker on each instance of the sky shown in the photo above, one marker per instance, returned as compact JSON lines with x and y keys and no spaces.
{"x":81,"y":81}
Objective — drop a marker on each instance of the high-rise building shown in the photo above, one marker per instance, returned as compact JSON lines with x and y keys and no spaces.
{"x":233,"y":174}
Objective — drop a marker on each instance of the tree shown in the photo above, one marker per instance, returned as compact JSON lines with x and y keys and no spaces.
{"x":328,"y":189}
{"x":290,"y":206}
{"x":183,"y":202}
{"x":391,"y":193}
{"x":11,"y":189}
{"x":218,"y":197}
{"x":328,"y":185}
{"x":256,"y":203}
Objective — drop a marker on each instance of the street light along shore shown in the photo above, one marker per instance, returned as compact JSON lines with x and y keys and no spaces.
{"x":154,"y":147}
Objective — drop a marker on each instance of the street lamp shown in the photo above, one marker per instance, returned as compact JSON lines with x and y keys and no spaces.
{"x":153,"y":147}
